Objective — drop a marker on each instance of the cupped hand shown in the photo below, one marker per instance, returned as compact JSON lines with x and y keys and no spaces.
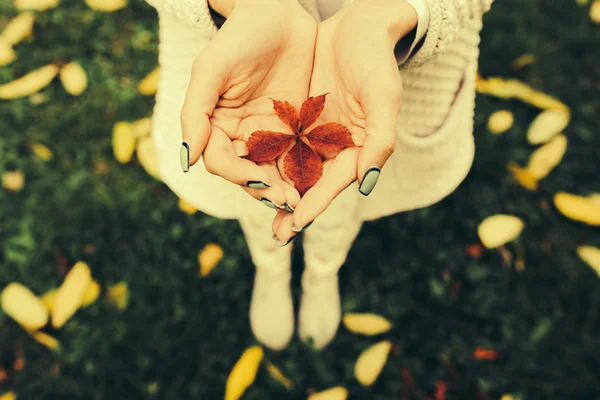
{"x":355,"y":64}
{"x":264,"y":50}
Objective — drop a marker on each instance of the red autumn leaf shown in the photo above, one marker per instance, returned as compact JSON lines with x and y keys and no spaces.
{"x":328,"y":140}
{"x":303,"y":166}
{"x":310,"y":110}
{"x":264,"y":146}
{"x":287,"y":113}
{"x":440,"y":390}
{"x":485,"y":354}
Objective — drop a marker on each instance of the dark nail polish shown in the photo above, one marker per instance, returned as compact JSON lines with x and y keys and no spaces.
{"x":295,"y":229}
{"x":269,"y":203}
{"x":288,"y":207}
{"x":184,"y":157}
{"x":369,"y":181}
{"x":291,"y":240}
{"x":257,"y":185}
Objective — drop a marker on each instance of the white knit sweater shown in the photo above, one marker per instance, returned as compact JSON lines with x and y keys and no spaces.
{"x":434,"y":150}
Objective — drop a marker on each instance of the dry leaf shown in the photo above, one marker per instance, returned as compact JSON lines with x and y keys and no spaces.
{"x":91,"y":294}
{"x":18,"y":28}
{"x":335,"y":393}
{"x":279,"y":376}
{"x":71,"y":294}
{"x":595,"y":11}
{"x":544,"y":101}
{"x":367,"y":323}
{"x":148,"y":156}
{"x":500,"y":121}
{"x":591,"y":255}
{"x":123,"y":141}
{"x":512,"y":88}
{"x":73,"y":78}
{"x":547,"y":125}
{"x":485,"y":354}
{"x":209,"y":257}
{"x":29,"y":84}
{"x":544,"y":159}
{"x":118,"y":295}
{"x":142,"y":127}
{"x":38,"y":98}
{"x":578,"y":208}
{"x":43,"y":152}
{"x":149,"y":85}
{"x":370,"y":362}
{"x":523,"y":60}
{"x":45,"y":339}
{"x":49,"y":299}
{"x":186,"y":207}
{"x":8,"y":396}
{"x":106,"y":5}
{"x":507,"y":397}
{"x":243,"y":373}
{"x":19,"y":303}
{"x":13,"y":181}
{"x":7,"y":53}
{"x":523,"y":176}
{"x":38,"y":5}
{"x":496,"y":230}
{"x":595,"y":197}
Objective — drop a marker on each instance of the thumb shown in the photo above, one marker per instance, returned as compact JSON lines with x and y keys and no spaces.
{"x":207,"y":83}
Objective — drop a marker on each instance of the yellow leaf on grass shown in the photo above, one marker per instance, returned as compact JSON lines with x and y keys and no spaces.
{"x":335,"y":393}
{"x":523,"y":176}
{"x":149,"y":85}
{"x":591,"y":255}
{"x":7,"y":53}
{"x":73,"y":78}
{"x":371,"y":361}
{"x":18,"y":28}
{"x":118,"y":295}
{"x":19,"y":303}
{"x":148,"y":156}
{"x":123,"y":141}
{"x":512,"y":88}
{"x":71,"y":294}
{"x":544,"y":101}
{"x":43,"y":152}
{"x":142,"y":127}
{"x":578,"y":208}
{"x":367,"y":323}
{"x":243,"y":373}
{"x":28,"y":84}
{"x":186,"y":207}
{"x":91,"y":294}
{"x":209,"y":257}
{"x":595,"y":11}
{"x":523,"y":60}
{"x":496,"y":230}
{"x":13,"y":180}
{"x":49,"y":299}
{"x":279,"y":376}
{"x":544,"y":159}
{"x":45,"y":339}
{"x":106,"y":5}
{"x":38,"y":5}
{"x":507,"y":397}
{"x":548,"y":124}
{"x":8,"y":396}
{"x":595,"y":197}
{"x":500,"y":121}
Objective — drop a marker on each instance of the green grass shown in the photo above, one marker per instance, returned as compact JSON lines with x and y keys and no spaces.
{"x":180,"y":335}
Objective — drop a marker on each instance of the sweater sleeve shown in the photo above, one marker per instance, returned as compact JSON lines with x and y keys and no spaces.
{"x":446,"y":19}
{"x":193,"y":13}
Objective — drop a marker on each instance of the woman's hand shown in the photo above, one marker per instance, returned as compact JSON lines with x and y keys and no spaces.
{"x":355,"y":63}
{"x":264,"y":50}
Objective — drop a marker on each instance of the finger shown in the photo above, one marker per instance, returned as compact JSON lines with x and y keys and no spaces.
{"x":341,"y":172}
{"x":277,"y":220}
{"x":207,"y":83}
{"x":284,"y":233}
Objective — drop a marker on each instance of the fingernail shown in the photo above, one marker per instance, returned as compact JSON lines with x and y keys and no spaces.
{"x":369,"y":181}
{"x":184,"y":157}
{"x":288,"y":207}
{"x":280,"y":243}
{"x":257,"y":185}
{"x":296,"y":229}
{"x":269,"y":203}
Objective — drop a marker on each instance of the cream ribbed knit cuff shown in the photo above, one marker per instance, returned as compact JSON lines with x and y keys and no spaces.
{"x":422,"y":10}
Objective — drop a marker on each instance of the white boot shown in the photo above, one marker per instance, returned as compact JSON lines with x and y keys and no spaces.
{"x":320,"y":308}
{"x":272,"y":309}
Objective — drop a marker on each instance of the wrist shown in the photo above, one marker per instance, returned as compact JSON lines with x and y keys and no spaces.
{"x":398,"y":17}
{"x":223,"y":7}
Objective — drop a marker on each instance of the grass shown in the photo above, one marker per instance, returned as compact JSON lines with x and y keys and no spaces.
{"x":180,"y":335}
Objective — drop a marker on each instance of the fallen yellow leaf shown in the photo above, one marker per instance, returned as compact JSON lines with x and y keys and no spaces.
{"x":500,"y":121}
{"x":595,"y":11}
{"x":243,"y":373}
{"x":149,"y":85}
{"x":8,"y":396}
{"x":371,"y":361}
{"x":335,"y":393}
{"x":38,"y":98}
{"x":523,"y":60}
{"x":43,"y":152}
{"x":19,"y":303}
{"x":544,"y":159}
{"x":209,"y":257}
{"x":367,"y":323}
{"x":548,"y":124}
{"x":106,"y":5}
{"x":148,"y":156}
{"x":28,"y":84}
{"x":13,"y":181}
{"x":544,"y":101}
{"x":71,"y":293}
{"x":38,"y":5}
{"x":91,"y":294}
{"x":279,"y":376}
{"x":73,"y":78}
{"x":118,"y":295}
{"x":187,"y":207}
{"x":49,"y":299}
{"x":512,"y":88}
{"x":142,"y":127}
{"x":123,"y":141}
{"x":591,"y":255}
{"x":45,"y":339}
{"x":523,"y":176}
{"x":595,"y":197}
{"x":7,"y":53}
{"x":496,"y":230}
{"x":578,"y":208}
{"x":507,"y":397}
{"x":18,"y":28}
